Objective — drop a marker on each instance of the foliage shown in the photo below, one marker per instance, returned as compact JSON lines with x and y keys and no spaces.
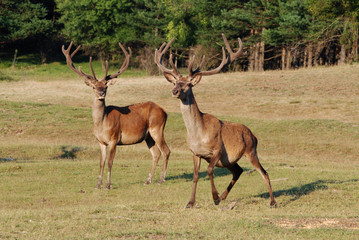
{"x":98,"y":25}
{"x":336,"y":17}
{"x":22,"y":19}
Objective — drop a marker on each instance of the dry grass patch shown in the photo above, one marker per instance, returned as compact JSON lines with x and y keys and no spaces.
{"x":313,"y":223}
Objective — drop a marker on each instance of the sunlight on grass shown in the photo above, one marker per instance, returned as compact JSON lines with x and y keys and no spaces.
{"x":306,"y":123}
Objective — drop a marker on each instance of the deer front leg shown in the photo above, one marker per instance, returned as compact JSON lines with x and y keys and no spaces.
{"x":214,"y":160}
{"x":197,"y":165}
{"x":110,"y":162}
{"x":102,"y":164}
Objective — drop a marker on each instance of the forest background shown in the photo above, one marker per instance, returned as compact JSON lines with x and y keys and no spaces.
{"x":277,"y":34}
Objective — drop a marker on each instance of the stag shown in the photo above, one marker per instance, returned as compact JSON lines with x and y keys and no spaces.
{"x":123,"y":125}
{"x":218,"y":142}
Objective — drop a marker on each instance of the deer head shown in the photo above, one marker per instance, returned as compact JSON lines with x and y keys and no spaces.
{"x":99,"y":86}
{"x":182,"y":84}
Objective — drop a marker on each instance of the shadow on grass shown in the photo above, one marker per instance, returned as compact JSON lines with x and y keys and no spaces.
{"x":68,"y":152}
{"x":297,"y":192}
{"x":217,"y":172}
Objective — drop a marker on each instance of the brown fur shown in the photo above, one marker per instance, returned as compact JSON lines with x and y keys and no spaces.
{"x":218,"y":142}
{"x":123,"y":125}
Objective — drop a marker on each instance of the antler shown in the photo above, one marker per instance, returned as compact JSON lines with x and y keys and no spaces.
{"x":159,"y":57}
{"x":233,"y":56}
{"x":124,"y":65}
{"x":225,"y":60}
{"x":79,"y":72}
{"x":192,"y":73}
{"x":206,"y":73}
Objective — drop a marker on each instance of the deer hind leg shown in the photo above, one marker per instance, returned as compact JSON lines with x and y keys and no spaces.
{"x":157,"y":135}
{"x":102,"y":164}
{"x":196,"y":167}
{"x":155,"y":157}
{"x":109,"y":164}
{"x":236,"y":171}
{"x":255,"y":162}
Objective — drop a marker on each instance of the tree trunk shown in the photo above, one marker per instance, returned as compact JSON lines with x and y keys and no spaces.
{"x":261,"y":57}
{"x":251,"y":58}
{"x":102,"y":60}
{"x":310,"y":56}
{"x":342,"y":54}
{"x":317,"y":58}
{"x":256,"y":57}
{"x":283,"y":58}
{"x":289,"y":58}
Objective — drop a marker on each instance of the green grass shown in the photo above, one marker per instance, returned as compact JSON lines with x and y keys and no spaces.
{"x":48,"y":189}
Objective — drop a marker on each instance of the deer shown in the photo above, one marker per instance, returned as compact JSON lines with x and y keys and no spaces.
{"x":113,"y":125}
{"x":218,"y":142}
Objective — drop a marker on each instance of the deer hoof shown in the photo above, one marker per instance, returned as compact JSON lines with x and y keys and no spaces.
{"x":148,"y":181}
{"x":190,"y":205}
{"x":273,"y":204}
{"x":161,"y":181}
{"x":217,"y":201}
{"x":108,"y":186}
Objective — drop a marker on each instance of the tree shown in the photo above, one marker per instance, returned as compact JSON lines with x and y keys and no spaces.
{"x":98,"y":25}
{"x":22,"y":19}
{"x":336,"y":20}
{"x":26,"y":21}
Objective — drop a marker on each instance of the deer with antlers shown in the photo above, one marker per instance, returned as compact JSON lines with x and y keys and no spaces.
{"x":218,"y":142}
{"x":123,"y":125}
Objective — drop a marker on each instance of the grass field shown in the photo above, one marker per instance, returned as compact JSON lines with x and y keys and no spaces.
{"x":306,"y":121}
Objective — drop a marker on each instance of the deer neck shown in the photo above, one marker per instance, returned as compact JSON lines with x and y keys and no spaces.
{"x":98,"y":111}
{"x":191,"y":114}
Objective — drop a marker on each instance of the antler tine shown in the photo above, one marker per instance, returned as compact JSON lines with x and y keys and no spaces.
{"x":93,"y":72}
{"x":159,"y":57}
{"x":79,"y":72}
{"x":106,"y":69}
{"x":233,"y":56}
{"x":175,"y":70}
{"x":214,"y":71}
{"x":191,"y":72}
{"x":78,"y":48}
{"x":125,"y":63}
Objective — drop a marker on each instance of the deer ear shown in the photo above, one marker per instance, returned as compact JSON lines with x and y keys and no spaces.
{"x":111,"y":81}
{"x":196,"y":79}
{"x":170,"y":78}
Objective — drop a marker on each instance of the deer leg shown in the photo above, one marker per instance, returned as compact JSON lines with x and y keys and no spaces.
{"x":102,"y":164}
{"x":196,"y":167}
{"x":236,"y":172}
{"x":155,"y":157}
{"x":109,"y":164}
{"x":255,"y":162}
{"x":210,"y":168}
{"x":157,"y":136}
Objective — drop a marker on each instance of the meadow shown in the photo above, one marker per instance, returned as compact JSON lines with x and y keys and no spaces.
{"x":306,"y":121}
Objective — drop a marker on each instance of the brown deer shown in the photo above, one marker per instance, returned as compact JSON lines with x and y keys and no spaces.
{"x":123,"y":125}
{"x":218,"y":142}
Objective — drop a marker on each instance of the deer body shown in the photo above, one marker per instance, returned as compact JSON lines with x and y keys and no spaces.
{"x":207,"y":135}
{"x":123,"y":125}
{"x":220,"y":143}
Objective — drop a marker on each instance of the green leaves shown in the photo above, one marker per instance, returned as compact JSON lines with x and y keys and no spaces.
{"x":23,"y":19}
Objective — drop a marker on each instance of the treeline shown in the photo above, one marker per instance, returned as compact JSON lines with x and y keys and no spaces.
{"x":277,"y":34}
